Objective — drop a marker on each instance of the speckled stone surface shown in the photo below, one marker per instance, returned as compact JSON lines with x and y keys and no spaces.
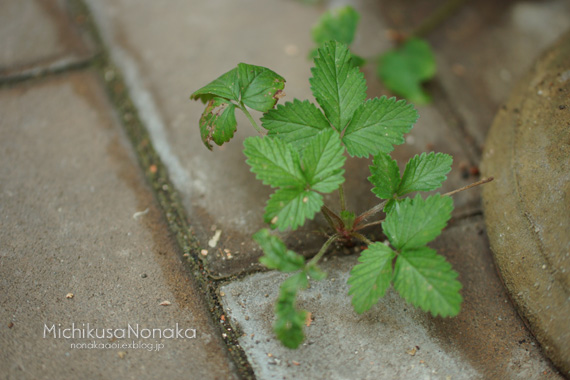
{"x":527,"y":208}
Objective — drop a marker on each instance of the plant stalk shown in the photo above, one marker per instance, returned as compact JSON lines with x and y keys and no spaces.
{"x":342,"y":198}
{"x":374,"y":210}
{"x":330,"y":213}
{"x":329,"y":220}
{"x":360,"y":227}
{"x":362,"y":237}
{"x":250,"y":118}
{"x":436,"y":18}
{"x":323,"y":250}
{"x":481,"y":182}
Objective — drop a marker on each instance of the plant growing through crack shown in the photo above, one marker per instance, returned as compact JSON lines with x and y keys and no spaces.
{"x":301,"y":155}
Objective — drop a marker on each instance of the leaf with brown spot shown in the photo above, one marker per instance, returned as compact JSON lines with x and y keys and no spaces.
{"x":218,"y":122}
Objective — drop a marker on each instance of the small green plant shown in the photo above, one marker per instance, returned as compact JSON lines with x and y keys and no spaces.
{"x":402,"y":69}
{"x":301,"y":155}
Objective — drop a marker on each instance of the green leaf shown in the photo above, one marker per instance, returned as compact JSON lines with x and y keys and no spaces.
{"x":403,"y":69}
{"x":218,"y":122}
{"x":370,"y":279}
{"x":260,"y":87}
{"x":425,"y":172}
{"x":348,"y":218}
{"x":337,"y":25}
{"x":289,"y":324}
{"x":296,"y":123}
{"x":290,"y":207}
{"x":276,"y":255}
{"x":412,"y":223}
{"x":226,"y":86}
{"x":323,"y":160}
{"x":378,"y":125}
{"x":390,"y":205}
{"x":274,"y":162}
{"x":425,"y":279}
{"x":337,"y":84}
{"x":358,"y":60}
{"x":385,"y":176}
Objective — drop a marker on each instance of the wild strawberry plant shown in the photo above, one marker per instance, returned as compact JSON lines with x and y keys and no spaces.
{"x":301,"y":153}
{"x":402,"y":69}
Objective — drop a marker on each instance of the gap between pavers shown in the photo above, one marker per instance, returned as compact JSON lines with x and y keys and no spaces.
{"x":393,"y":340}
{"x":83,"y":242}
{"x":38,"y":37}
{"x":164,"y":63}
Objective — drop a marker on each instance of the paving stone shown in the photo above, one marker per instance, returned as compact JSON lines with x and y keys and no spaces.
{"x":486,"y":340}
{"x":83,"y":242}
{"x":528,"y":149}
{"x":165,"y":61}
{"x":36,"y":35}
{"x":484,"y":48}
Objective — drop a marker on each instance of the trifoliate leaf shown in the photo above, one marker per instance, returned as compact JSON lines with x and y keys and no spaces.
{"x":425,"y":279}
{"x":260,"y":87}
{"x":403,"y":69}
{"x":296,"y":123}
{"x":336,"y":25}
{"x":370,"y":279}
{"x":323,"y":160}
{"x":290,"y":207}
{"x":275,"y":162}
{"x":289,"y":324}
{"x":218,"y":122}
{"x":412,"y":223}
{"x":338,"y":86}
{"x":378,"y":125}
{"x":385,"y":176}
{"x":226,"y":86}
{"x":276,"y":255}
{"x":425,"y":172}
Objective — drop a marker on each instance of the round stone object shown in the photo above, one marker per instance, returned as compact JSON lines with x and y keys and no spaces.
{"x":527,"y":206}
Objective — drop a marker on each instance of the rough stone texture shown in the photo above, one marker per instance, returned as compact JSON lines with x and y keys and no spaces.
{"x":36,"y":35}
{"x":199,"y":42}
{"x":487,"y":340}
{"x":69,"y":191}
{"x":527,"y":209}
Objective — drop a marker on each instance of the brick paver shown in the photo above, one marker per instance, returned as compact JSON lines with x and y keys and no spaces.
{"x":75,"y":251}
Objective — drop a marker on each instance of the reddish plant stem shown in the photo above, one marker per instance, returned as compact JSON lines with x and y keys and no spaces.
{"x":330,"y":214}
{"x":481,"y":182}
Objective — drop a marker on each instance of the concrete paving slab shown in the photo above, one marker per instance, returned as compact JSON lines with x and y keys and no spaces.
{"x":393,"y":340}
{"x":484,"y":49}
{"x":84,"y":245}
{"x":168,"y":52}
{"x":37,"y":36}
